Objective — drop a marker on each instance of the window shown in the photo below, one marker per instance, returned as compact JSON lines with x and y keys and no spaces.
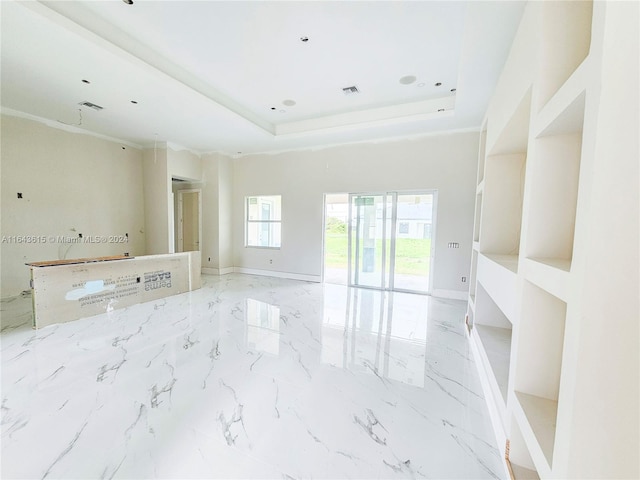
{"x":403,"y":228}
{"x":263,"y":221}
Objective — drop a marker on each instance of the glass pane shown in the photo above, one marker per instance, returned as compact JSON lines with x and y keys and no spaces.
{"x":263,"y":234}
{"x":336,"y":238}
{"x":413,"y":242}
{"x":366,"y":237}
{"x":264,"y":208}
{"x":264,"y":214}
{"x":388,"y":226}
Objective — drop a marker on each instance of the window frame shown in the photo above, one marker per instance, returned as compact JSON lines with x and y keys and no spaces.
{"x":248,"y":222}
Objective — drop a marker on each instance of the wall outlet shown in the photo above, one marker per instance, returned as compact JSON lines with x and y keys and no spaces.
{"x":270,"y":261}
{"x":209,"y":259}
{"x":464,"y":279}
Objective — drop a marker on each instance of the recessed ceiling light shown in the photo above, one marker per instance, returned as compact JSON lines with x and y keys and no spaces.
{"x":304,"y":39}
{"x":289,"y":103}
{"x":421,"y":84}
{"x":134,"y":102}
{"x":85,"y":81}
{"x":408,"y":79}
{"x":454,"y":89}
{"x":438,"y":84}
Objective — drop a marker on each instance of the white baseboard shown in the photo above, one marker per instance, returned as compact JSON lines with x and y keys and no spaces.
{"x":440,"y":293}
{"x":270,"y":273}
{"x":217,"y":271}
{"x":452,"y":294}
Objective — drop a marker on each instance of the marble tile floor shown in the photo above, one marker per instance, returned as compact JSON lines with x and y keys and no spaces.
{"x":248,"y":377}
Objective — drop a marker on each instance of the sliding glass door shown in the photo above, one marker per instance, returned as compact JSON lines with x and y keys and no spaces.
{"x":367,"y":240}
{"x":412,"y":242}
{"x":390,"y":240}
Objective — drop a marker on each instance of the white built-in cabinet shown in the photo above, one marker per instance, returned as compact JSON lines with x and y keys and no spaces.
{"x":532,"y":191}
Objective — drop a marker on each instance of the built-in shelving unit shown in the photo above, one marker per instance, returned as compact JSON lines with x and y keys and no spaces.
{"x":476,"y":226}
{"x":482,"y":151}
{"x":472,"y":278}
{"x":503,"y":187}
{"x":496,"y":342}
{"x":498,"y":275}
{"x":555,"y":174}
{"x":564,"y":38}
{"x":521,"y":465}
{"x":492,"y":331}
{"x":551,"y":275}
{"x":539,"y":364}
{"x":536,"y":145}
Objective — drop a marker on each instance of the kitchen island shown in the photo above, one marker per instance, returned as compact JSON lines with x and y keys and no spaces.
{"x":66,"y":290}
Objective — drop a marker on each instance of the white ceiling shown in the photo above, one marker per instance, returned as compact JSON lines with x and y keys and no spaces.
{"x":213,"y":75}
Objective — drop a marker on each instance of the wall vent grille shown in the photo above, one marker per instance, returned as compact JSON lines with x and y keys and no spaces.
{"x":350,"y":90}
{"x":97,"y":108}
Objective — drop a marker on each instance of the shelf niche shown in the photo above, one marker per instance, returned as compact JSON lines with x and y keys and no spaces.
{"x":564,"y":43}
{"x":520,"y":463}
{"x":539,"y":363}
{"x":505,"y":168}
{"x":494,"y":330}
{"x":555,"y":172}
{"x":501,"y":216}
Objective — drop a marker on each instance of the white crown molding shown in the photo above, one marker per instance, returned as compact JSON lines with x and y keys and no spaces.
{"x":58,"y":125}
{"x":391,"y":114}
{"x":396,"y":138}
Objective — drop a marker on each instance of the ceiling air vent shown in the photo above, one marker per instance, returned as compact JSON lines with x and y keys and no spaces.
{"x":351,"y":90}
{"x":97,"y":108}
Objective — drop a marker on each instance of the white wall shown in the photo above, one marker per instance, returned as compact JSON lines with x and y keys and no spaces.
{"x":140,"y":191}
{"x":210,"y":213}
{"x":161,"y":164}
{"x":515,"y":79}
{"x":446,"y":163}
{"x":71,"y":183}
{"x":157,"y":185}
{"x":216,"y":209}
{"x":606,"y":417}
{"x":183,"y":164}
{"x":225,"y":206}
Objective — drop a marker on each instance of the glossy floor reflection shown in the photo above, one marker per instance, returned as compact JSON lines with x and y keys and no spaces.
{"x":249,"y":377}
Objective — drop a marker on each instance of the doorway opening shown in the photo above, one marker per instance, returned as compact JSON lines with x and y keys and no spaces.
{"x":189,"y":220}
{"x":380,"y":240}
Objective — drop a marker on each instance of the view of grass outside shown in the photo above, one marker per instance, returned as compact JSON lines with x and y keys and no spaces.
{"x":412,"y":255}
